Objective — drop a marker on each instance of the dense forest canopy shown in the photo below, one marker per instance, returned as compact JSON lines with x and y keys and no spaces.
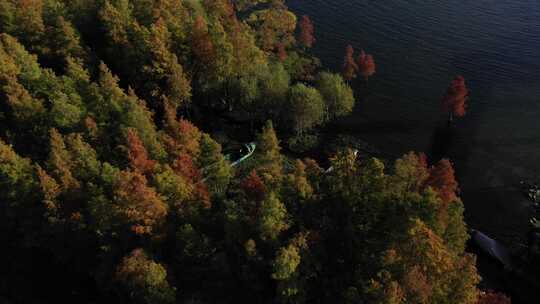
{"x":112,"y":187}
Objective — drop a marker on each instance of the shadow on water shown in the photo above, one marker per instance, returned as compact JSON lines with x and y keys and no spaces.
{"x":497,"y":208}
{"x":441,"y":141}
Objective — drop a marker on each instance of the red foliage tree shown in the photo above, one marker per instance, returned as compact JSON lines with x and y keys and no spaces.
{"x":181,"y":135}
{"x":349,"y":67}
{"x":253,"y":186}
{"x":185,"y":166}
{"x":491,"y":297}
{"x":455,"y":100}
{"x":422,"y":160}
{"x":281,"y":52}
{"x":188,"y":137}
{"x":137,"y":154}
{"x":366,"y":65}
{"x":442,"y":180}
{"x":306,"y":32}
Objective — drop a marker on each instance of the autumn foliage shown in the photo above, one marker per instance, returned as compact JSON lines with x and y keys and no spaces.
{"x":202,"y":45}
{"x":442,"y":179}
{"x":281,"y":52}
{"x":254,"y":186}
{"x":109,"y":192}
{"x":491,"y":297}
{"x":366,"y":65}
{"x":139,"y":204}
{"x":186,"y":167}
{"x":143,"y":280}
{"x":349,"y":66}
{"x":181,"y":136}
{"x":306,"y":32}
{"x":137,"y":154}
{"x":455,"y":100}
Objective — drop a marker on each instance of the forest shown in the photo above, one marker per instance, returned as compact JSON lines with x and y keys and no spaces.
{"x":116,"y":187}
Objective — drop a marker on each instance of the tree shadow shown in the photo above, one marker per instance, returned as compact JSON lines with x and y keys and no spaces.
{"x":442,"y":141}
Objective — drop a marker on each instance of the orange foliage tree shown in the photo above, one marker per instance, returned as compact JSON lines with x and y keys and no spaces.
{"x":138,"y":204}
{"x":137,"y":154}
{"x":180,"y":135}
{"x":349,"y":66}
{"x":185,"y":166}
{"x":455,"y":100}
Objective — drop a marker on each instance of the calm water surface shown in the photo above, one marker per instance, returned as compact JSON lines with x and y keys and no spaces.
{"x":419,"y":46}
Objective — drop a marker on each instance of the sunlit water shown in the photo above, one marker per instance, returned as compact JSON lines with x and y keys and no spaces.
{"x":419,"y":46}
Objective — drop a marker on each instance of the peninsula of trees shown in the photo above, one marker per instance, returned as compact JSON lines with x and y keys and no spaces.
{"x":114,"y":187}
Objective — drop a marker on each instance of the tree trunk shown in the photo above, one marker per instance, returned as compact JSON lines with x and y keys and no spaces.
{"x":450,"y":117}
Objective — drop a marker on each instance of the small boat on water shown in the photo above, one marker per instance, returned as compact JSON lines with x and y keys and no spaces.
{"x":492,"y":248}
{"x":515,"y":273}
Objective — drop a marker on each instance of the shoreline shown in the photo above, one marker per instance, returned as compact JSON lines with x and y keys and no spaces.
{"x":494,"y":204}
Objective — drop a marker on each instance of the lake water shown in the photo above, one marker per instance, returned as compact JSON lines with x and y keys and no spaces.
{"x":419,"y":47}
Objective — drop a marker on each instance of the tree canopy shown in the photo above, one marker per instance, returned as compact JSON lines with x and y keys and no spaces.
{"x":116,"y":175}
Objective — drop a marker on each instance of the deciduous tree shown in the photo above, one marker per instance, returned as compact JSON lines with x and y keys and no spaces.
{"x":286,"y":262}
{"x":349,"y":66}
{"x":338,"y":96}
{"x":216,"y":170}
{"x":60,"y":162}
{"x":138,"y":204}
{"x":455,"y":100}
{"x":143,"y":280}
{"x":269,"y":158}
{"x":17,"y":178}
{"x":442,"y":179}
{"x":137,"y":155}
{"x":411,"y":172}
{"x":273,"y":26}
{"x":306,"y":108}
{"x":201,"y":44}
{"x":429,"y":271}
{"x":281,"y":52}
{"x":306,"y":32}
{"x":254,"y":187}
{"x":366,"y":65}
{"x":273,"y":218}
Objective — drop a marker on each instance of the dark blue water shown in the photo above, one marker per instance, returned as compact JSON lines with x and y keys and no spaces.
{"x":419,"y":46}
